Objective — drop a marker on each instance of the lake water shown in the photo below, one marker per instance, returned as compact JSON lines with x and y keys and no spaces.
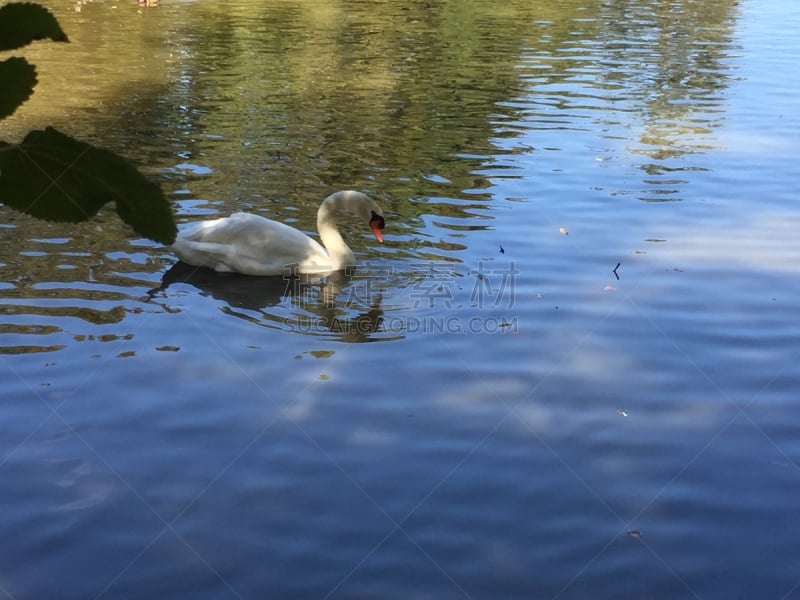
{"x":569,"y":372}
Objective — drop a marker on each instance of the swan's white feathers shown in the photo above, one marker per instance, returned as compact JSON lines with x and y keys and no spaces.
{"x":253,"y":245}
{"x":241,"y":242}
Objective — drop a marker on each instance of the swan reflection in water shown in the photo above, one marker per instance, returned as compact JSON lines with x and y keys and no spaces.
{"x":340,"y":303}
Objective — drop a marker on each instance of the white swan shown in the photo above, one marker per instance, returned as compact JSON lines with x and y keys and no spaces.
{"x":252,"y":245}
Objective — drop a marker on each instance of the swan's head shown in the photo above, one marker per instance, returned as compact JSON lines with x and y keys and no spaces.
{"x":369,"y":210}
{"x":361,"y":205}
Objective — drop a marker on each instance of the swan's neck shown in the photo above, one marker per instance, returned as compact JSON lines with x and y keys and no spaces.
{"x":338,"y":251}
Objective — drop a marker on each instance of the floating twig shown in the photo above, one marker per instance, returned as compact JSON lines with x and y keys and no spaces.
{"x":615,"y":271}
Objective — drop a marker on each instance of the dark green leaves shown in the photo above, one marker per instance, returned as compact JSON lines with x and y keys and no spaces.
{"x":22,"y":23}
{"x":55,"y":177}
{"x":18,"y":77}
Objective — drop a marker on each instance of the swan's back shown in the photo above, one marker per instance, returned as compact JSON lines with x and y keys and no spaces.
{"x":249,"y":244}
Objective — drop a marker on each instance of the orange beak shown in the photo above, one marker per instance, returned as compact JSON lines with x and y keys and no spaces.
{"x":375,"y":225}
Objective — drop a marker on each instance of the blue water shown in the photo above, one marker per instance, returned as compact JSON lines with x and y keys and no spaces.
{"x":569,"y":372}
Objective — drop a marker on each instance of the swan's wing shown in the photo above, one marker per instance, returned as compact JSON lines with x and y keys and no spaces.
{"x":246,"y":243}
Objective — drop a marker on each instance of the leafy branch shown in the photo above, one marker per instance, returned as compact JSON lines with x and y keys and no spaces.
{"x":53,"y":176}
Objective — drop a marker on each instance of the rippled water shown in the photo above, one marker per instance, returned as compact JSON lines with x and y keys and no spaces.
{"x":584,"y":315}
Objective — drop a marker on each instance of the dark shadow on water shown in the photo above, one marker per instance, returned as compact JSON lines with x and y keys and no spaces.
{"x":328,"y":306}
{"x":238,"y":291}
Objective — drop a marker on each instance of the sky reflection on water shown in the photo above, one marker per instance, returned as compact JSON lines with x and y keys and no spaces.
{"x":607,"y":193}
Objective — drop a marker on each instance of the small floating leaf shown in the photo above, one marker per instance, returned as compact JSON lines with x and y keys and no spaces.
{"x":563,"y":231}
{"x":635,"y":533}
{"x":622,"y":413}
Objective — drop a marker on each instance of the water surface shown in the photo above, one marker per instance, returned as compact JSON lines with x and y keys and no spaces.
{"x":569,"y":372}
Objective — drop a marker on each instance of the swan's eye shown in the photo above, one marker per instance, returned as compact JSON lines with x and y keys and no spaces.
{"x":378,"y":220}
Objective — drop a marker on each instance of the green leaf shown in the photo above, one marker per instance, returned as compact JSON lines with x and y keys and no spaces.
{"x":55,"y":177}
{"x":23,"y":22}
{"x":18,"y":77}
